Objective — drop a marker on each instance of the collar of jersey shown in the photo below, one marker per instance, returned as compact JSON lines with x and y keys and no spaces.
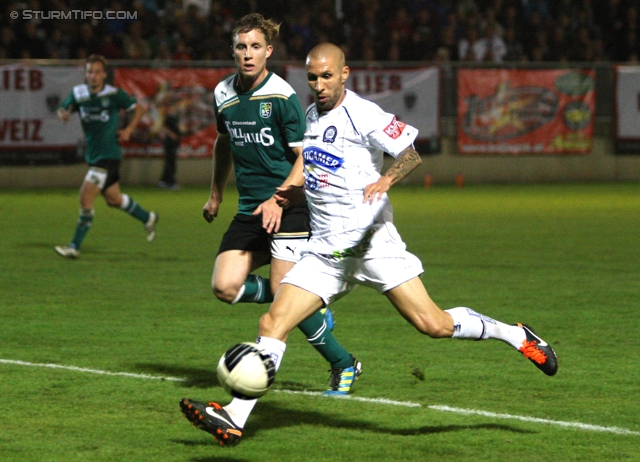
{"x":253,"y":90}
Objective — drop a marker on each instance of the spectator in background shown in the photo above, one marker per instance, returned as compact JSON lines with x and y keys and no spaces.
{"x":9,"y":43}
{"x":181,"y":52}
{"x":558,"y":51}
{"x":300,"y":26}
{"x":514,"y":48}
{"x":86,"y":43}
{"x":449,"y":43}
{"x":134,"y":45}
{"x":172,"y":136}
{"x":423,"y":39}
{"x":326,"y":27}
{"x":159,"y":39}
{"x":541,"y":6}
{"x":116,"y":26}
{"x":496,"y":48}
{"x":31,"y":44}
{"x":109,"y":48}
{"x":58,"y":46}
{"x":472,"y":47}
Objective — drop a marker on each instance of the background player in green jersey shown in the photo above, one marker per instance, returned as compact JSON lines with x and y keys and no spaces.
{"x":260,"y":131}
{"x":99,"y":105}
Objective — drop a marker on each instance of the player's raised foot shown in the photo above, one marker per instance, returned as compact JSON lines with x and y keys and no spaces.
{"x":342,"y":380}
{"x":328,"y":317}
{"x":538,"y":351}
{"x":150,"y":226}
{"x":212,"y":418}
{"x":67,"y":251}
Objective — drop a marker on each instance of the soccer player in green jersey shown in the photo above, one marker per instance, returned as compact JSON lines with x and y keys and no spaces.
{"x":260,"y":132}
{"x":99,"y":105}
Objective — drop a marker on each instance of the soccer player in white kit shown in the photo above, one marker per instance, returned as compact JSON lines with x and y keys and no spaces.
{"x":353,"y":240}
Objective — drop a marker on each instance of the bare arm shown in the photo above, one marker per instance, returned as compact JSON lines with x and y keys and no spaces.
{"x":125,"y":133}
{"x":404,"y":164}
{"x":221,"y":169}
{"x":64,"y":114}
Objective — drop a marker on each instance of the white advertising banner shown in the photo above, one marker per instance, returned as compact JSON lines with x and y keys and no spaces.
{"x":412,"y":95}
{"x":627,"y":108}
{"x":29,"y":98}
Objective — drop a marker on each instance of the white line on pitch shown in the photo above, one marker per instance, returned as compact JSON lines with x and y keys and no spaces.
{"x":577,"y":425}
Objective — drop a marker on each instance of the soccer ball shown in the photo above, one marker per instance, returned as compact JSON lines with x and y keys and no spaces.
{"x":246,"y":371}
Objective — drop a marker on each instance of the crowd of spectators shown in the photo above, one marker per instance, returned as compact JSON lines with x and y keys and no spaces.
{"x":371,"y":30}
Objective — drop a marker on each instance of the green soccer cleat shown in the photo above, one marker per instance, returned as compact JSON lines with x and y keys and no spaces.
{"x":342,"y":380}
{"x":538,"y":351}
{"x":212,"y":418}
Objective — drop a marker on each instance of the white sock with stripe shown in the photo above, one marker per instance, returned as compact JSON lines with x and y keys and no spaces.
{"x":471,"y":325}
{"x":240,"y":409}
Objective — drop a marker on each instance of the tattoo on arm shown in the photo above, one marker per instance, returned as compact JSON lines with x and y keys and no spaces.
{"x":407,"y":160}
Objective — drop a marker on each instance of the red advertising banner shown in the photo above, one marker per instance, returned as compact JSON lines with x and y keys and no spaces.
{"x":187,"y":93}
{"x":508,"y":111}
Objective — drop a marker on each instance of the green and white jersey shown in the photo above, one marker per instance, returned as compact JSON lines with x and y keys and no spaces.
{"x":262,"y":124}
{"x":100,"y":117}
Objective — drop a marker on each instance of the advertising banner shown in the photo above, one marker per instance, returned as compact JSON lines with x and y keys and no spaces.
{"x":30,"y":131}
{"x":517,"y":112}
{"x":188,"y":93}
{"x":412,"y":95}
{"x":627,"y":109}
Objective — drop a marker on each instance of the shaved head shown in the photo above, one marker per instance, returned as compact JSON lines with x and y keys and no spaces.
{"x":327,"y":52}
{"x":327,"y":75}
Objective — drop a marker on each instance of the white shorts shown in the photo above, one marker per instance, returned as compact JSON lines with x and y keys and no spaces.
{"x":331,"y":278}
{"x":288,"y":246}
{"x":97,"y":176}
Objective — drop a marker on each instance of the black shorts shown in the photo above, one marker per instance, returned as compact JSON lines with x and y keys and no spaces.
{"x":112,"y":167}
{"x":246,"y":232}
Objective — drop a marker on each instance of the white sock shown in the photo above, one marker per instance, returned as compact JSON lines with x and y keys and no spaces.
{"x":240,"y":409}
{"x":471,"y":325}
{"x":126,"y":200}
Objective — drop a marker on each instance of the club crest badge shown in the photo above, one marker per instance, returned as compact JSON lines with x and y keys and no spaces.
{"x":330,"y":134}
{"x":265,"y":110}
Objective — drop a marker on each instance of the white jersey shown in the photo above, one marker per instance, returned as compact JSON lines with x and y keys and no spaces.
{"x":343,"y":152}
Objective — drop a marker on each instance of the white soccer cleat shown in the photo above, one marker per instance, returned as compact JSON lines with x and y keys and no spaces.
{"x":67,"y":251}
{"x":150,"y":226}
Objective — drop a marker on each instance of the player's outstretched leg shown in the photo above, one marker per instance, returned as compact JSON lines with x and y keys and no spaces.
{"x":538,"y":351}
{"x":212,"y":418}
{"x":342,"y":379}
{"x":471,"y":325}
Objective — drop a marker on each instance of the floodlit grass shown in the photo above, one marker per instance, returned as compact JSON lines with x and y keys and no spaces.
{"x":563,"y":258}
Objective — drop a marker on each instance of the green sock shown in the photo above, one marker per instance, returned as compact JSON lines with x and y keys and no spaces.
{"x":315,"y":329}
{"x":256,"y":289}
{"x":133,"y":208}
{"x":85,"y":220}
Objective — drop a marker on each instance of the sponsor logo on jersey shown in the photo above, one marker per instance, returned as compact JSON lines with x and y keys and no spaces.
{"x":395,"y":128}
{"x":87,"y":115}
{"x":330,"y":134}
{"x":322,"y":159}
{"x":265,"y":110}
{"x":240,"y":137}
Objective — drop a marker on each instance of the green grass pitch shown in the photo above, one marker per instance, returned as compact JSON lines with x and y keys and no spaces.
{"x":563,"y":258}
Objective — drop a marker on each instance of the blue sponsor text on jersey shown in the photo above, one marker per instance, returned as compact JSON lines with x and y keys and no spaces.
{"x":322,"y":159}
